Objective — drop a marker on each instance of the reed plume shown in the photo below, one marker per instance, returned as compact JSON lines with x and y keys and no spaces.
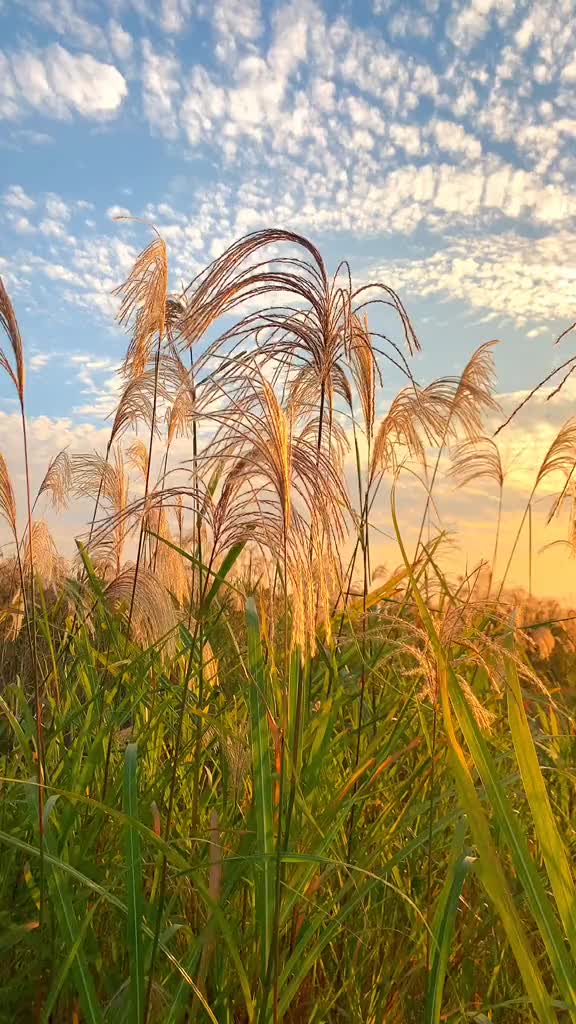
{"x":480,"y":459}
{"x":7,"y":500}
{"x":58,"y":481}
{"x":143,"y":305}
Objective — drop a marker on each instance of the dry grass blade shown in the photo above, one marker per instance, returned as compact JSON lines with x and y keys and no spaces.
{"x":136,"y":404}
{"x":137,"y":455}
{"x":411,"y":420}
{"x":49,"y":565}
{"x":477,"y":459}
{"x":364,"y":370}
{"x":7,"y":500}
{"x":153,"y":614}
{"x":94,"y":475}
{"x":9,"y":324}
{"x":169,"y":566}
{"x":561,"y":455}
{"x":560,"y":458}
{"x":473,"y":394}
{"x":143,"y":304}
{"x":58,"y":480}
{"x":233,"y":278}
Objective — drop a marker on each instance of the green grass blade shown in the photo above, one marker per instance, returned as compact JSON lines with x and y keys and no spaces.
{"x":69,"y":871}
{"x":60,"y":979}
{"x":538,"y":901}
{"x":489,"y":867}
{"x":224,"y":568}
{"x":133,"y":855}
{"x":264,"y":879}
{"x":442,"y":932}
{"x":69,"y":929}
{"x":553,"y":849}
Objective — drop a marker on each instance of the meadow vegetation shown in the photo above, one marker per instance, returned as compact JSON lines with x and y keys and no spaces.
{"x":248,"y":775}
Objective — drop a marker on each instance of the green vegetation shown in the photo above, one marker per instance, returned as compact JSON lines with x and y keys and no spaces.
{"x":246,"y":776}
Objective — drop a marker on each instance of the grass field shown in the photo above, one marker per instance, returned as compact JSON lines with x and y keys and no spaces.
{"x":248,"y":775}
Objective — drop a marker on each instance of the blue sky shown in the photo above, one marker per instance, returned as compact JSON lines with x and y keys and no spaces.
{"x":430,"y":143}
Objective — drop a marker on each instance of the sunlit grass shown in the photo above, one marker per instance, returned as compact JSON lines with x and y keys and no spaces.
{"x":246,"y":777}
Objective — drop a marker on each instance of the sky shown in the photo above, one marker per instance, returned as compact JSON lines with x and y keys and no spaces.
{"x":432,"y":143}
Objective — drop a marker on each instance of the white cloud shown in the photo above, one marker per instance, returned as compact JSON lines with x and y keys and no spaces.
{"x":407,"y":23}
{"x":472,"y":20}
{"x":117,"y":211}
{"x":64,"y":17}
{"x":235,"y":22}
{"x":174,"y":14}
{"x":409,"y":138}
{"x":23,"y":226}
{"x":25,"y":136}
{"x":38,"y":360}
{"x":524,"y":279}
{"x":16,"y":198}
{"x":161,"y":88}
{"x":452,"y":138}
{"x":205,"y":102}
{"x":51,"y":228}
{"x":56,"y":208}
{"x":121,"y":41}
{"x":58,"y":83}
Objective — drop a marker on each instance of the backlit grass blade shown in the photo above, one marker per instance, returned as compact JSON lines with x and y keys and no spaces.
{"x":489,"y":867}
{"x":553,"y":848}
{"x":262,"y":778}
{"x":133,"y":856}
{"x":563,"y":966}
{"x":442,"y":932}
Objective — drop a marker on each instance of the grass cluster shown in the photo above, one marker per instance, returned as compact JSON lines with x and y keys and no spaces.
{"x":246,"y":776}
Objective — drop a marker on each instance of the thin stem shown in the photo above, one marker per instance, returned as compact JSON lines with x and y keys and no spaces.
{"x":530,"y":550}
{"x":200,"y":628}
{"x":431,"y":830}
{"x":171,"y":797}
{"x":496,"y":541}
{"x":37,"y":695}
{"x":139,"y":555}
{"x":146,"y":487}
{"x":162,"y":482}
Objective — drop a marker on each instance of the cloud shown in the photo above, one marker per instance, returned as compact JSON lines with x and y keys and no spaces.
{"x":22,"y":226}
{"x":235,"y":23}
{"x":37,"y":361}
{"x":58,"y":84}
{"x":174,"y":14}
{"x":27,"y":137}
{"x":117,"y":211}
{"x":121,"y":41}
{"x":64,"y":17}
{"x":470,"y":23}
{"x":56,"y":208}
{"x":407,"y":23}
{"x":525,"y":279}
{"x":452,"y":138}
{"x":16,"y":198}
{"x":161,"y":86}
{"x":51,"y":228}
